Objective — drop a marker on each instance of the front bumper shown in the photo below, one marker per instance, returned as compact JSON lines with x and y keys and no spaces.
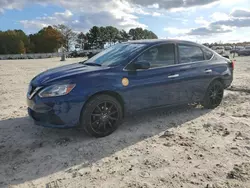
{"x":58,"y":112}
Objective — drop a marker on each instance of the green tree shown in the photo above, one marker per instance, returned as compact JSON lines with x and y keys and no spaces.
{"x":24,"y":38}
{"x":9,"y":42}
{"x":2,"y":43}
{"x":94,"y":37}
{"x":149,"y":34}
{"x":123,"y":36}
{"x":103,"y":37}
{"x":14,"y":42}
{"x":139,"y":33}
{"x":81,"y":40}
{"x":112,"y":34}
{"x":68,"y":35}
{"x":21,"y":47}
{"x":47,"y":40}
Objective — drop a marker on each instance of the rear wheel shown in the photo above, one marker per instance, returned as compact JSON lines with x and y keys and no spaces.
{"x":214,"y":95}
{"x":101,"y":116}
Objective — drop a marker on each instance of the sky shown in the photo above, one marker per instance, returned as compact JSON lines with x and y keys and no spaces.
{"x":195,"y":20}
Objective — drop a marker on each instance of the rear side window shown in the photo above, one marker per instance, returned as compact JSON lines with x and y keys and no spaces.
{"x":208,"y":54}
{"x":159,"y":56}
{"x":189,"y":53}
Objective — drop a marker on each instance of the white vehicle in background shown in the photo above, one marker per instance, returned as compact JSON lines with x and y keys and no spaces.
{"x":219,"y":49}
{"x":228,"y":48}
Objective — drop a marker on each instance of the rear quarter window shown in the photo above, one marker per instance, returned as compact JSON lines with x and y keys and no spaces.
{"x":190,"y":53}
{"x":207,"y":54}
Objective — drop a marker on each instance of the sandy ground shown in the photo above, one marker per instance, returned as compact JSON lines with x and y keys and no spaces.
{"x":187,"y":147}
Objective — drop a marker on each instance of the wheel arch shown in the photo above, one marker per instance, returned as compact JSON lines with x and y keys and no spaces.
{"x":218,"y":79}
{"x":205,"y":102}
{"x":114,"y":94}
{"x":215,"y":79}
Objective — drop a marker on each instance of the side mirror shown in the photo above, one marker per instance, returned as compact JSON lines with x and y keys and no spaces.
{"x":142,"y":65}
{"x":226,"y":56}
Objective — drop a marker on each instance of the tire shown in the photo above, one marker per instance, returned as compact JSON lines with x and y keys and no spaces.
{"x":101,"y":116}
{"x":213,"y":95}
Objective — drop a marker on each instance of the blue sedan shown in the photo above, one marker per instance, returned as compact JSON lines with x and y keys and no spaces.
{"x":128,"y":77}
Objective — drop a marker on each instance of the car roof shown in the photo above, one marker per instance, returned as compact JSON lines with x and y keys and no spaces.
{"x":160,"y":41}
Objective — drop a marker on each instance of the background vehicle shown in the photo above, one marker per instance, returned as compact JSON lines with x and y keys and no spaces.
{"x":236,"y":49}
{"x":72,"y":54}
{"x":245,"y":51}
{"x":91,"y":54}
{"x":75,"y":54}
{"x":228,"y":48}
{"x":126,"y":78}
{"x":219,"y":49}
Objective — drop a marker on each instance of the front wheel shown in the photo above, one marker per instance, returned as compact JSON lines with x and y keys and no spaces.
{"x":101,"y":116}
{"x":214,"y":95}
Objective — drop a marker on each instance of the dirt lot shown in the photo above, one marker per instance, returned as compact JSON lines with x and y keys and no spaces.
{"x":183,"y":147}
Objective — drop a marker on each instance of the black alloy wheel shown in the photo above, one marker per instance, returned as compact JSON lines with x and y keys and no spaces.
{"x":214,"y":95}
{"x":104,"y":117}
{"x":101,"y":116}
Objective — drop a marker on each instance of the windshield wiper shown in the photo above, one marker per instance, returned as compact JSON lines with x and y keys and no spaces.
{"x":92,"y":64}
{"x":82,"y":62}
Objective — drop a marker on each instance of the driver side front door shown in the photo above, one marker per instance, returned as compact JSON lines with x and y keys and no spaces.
{"x":157,"y":86}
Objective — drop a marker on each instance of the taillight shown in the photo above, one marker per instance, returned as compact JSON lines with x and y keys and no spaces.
{"x":233,"y":63}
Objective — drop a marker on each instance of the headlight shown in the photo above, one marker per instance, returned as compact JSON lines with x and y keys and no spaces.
{"x":56,"y":90}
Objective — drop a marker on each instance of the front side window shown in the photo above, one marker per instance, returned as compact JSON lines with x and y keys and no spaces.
{"x":189,"y":53}
{"x":159,"y":56}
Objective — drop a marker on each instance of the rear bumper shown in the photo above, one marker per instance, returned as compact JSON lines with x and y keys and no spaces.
{"x":227,"y":83}
{"x":56,"y":113}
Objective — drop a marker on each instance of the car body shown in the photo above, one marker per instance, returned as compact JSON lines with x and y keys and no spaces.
{"x":236,"y":49}
{"x":219,"y":49}
{"x":72,"y":54}
{"x":244,"y":52}
{"x":130,"y":77}
{"x":92,"y":54}
{"x":228,"y":48}
{"x":82,"y":54}
{"x":75,"y":54}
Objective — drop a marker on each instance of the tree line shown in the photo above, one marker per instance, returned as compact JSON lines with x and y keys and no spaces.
{"x":51,"y":38}
{"x":226,"y":44}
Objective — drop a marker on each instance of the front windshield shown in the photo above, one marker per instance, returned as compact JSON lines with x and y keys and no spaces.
{"x":116,"y":54}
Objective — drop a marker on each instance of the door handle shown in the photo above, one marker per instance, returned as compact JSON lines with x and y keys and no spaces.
{"x":173,"y":76}
{"x":208,"y":71}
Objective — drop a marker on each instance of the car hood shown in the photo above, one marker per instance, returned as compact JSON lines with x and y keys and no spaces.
{"x":63,"y":72}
